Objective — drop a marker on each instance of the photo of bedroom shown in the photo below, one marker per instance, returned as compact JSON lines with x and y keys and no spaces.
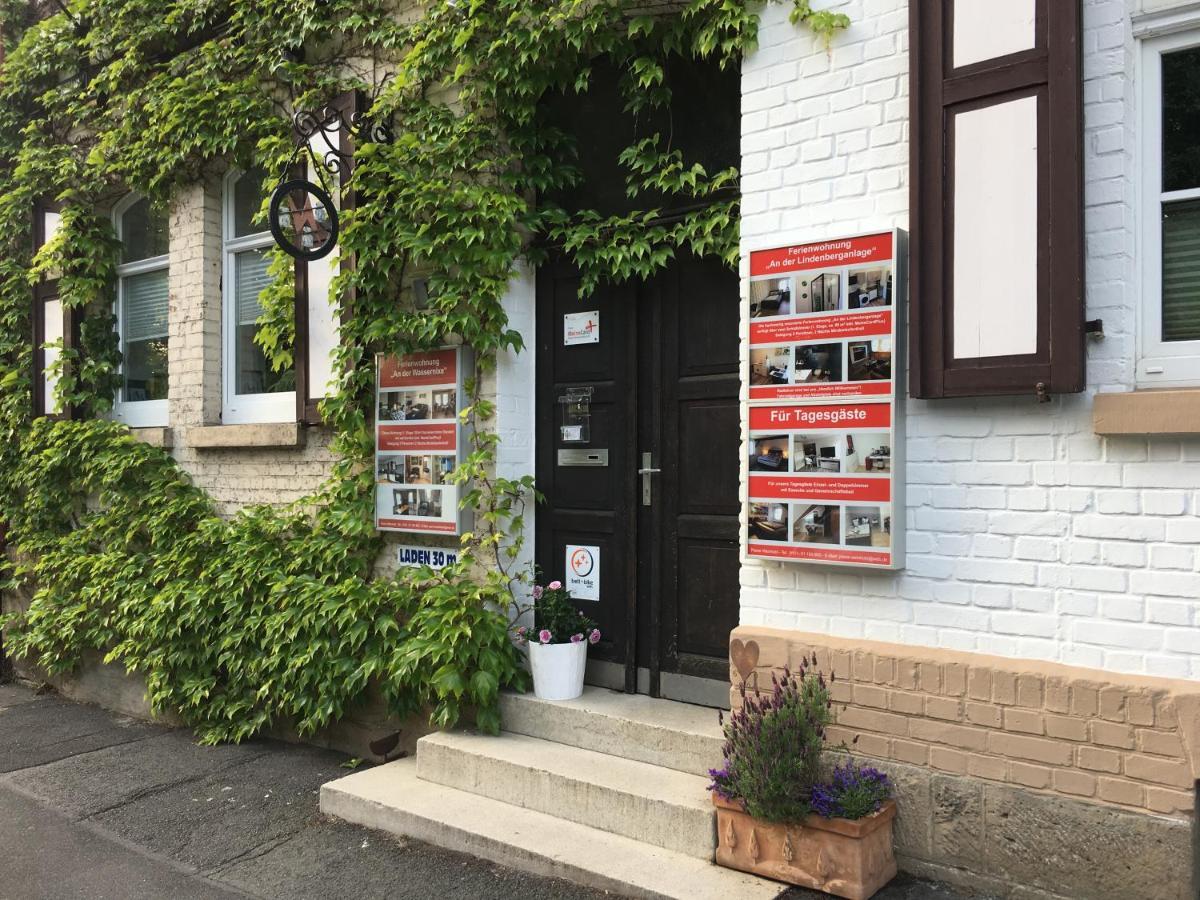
{"x":816,"y":363}
{"x":817,"y":524}
{"x":869,"y":526}
{"x":770,"y":366}
{"x":870,"y":360}
{"x":768,"y":522}
{"x":769,"y":454}
{"x":868,"y":451}
{"x":816,"y":453}
{"x":866,"y":288}
{"x":413,"y":502}
{"x":818,"y":293}
{"x":771,"y":297}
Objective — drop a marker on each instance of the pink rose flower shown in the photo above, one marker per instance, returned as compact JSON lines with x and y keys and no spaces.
{"x":594,"y":637}
{"x":554,"y":585}
{"x":537,"y":592}
{"x":577,"y":639}
{"x":544,"y":635}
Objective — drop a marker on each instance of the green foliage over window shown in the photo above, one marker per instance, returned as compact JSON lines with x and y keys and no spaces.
{"x":278,"y":615}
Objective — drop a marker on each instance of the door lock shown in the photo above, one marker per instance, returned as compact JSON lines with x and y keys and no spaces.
{"x":647,"y":471}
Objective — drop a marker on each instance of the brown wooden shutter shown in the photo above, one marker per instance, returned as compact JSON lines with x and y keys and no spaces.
{"x":348,"y":104}
{"x":1029,"y":337}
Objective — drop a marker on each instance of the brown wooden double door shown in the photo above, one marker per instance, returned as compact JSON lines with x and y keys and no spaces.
{"x":664,"y":382}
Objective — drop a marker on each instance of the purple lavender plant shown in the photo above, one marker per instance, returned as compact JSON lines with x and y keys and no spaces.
{"x":773,"y":745}
{"x":853,"y":791}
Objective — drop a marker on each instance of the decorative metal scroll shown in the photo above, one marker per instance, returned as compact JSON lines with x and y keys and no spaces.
{"x":304,"y":219}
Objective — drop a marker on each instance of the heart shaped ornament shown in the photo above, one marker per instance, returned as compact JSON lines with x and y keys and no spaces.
{"x":744,"y":656}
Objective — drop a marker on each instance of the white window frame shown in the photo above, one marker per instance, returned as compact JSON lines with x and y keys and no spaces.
{"x":243,"y":409}
{"x":137,"y":413}
{"x":1166,"y":364}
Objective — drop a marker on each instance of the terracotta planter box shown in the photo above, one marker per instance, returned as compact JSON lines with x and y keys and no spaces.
{"x":843,"y":857}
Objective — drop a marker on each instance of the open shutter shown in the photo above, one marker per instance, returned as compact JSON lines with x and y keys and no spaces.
{"x":316,"y":315}
{"x":997,"y":198}
{"x":51,"y":322}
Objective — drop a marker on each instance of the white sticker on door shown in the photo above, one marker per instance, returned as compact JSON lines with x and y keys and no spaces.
{"x":581,"y":328}
{"x":583,"y":572}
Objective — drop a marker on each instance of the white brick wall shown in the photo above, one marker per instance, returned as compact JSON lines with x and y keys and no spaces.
{"x":1028,"y":535}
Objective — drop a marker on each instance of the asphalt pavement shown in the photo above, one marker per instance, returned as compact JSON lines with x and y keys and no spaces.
{"x":94,"y":806}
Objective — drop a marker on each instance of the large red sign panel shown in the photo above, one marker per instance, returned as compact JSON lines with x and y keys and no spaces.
{"x":824,"y":365}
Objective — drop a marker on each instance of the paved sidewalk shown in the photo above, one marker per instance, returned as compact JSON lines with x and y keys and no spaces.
{"x":99,"y":807}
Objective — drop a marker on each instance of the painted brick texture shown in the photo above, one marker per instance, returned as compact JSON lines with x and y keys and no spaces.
{"x":1130,"y":742}
{"x":1028,"y":535}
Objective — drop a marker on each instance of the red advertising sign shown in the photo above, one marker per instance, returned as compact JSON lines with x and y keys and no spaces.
{"x":419,"y":369}
{"x":823,"y":254}
{"x":419,"y":438}
{"x":825,"y":447}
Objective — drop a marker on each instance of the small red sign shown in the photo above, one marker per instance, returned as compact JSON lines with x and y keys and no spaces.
{"x":829,"y":417}
{"x":821,"y":489}
{"x":765,"y":550}
{"x":411,"y":524}
{"x":418,"y":438}
{"x":823,"y":255}
{"x":877,"y":323}
{"x":821,"y":389}
{"x":418,"y":370}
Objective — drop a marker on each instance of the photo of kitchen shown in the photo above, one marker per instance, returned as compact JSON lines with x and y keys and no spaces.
{"x":867,"y":451}
{"x":414,"y":502}
{"x":402,"y":406}
{"x":821,"y":292}
{"x":870,"y":360}
{"x":817,"y":363}
{"x":869,"y":526}
{"x":771,"y":297}
{"x":770,"y":366}
{"x":816,"y":453}
{"x":769,"y":454}
{"x":867,"y":288}
{"x":768,"y":522}
{"x":390,"y":468}
{"x":816,"y":524}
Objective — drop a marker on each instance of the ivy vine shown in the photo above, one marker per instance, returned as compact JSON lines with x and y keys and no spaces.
{"x":277,"y":615}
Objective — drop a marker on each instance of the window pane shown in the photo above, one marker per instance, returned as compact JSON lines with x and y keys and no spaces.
{"x":247,"y":202}
{"x":253,"y":374}
{"x":1181,"y":271}
{"x":1181,"y":119}
{"x":144,"y":231}
{"x":144,"y":335}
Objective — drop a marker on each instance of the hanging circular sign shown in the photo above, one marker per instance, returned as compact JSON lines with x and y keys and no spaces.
{"x":304,"y":221}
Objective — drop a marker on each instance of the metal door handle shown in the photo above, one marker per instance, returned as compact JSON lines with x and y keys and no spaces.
{"x":646,"y":471}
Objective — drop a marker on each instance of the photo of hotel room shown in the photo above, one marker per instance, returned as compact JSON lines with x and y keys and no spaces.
{"x":768,"y":521}
{"x":870,"y":360}
{"x":816,"y":453}
{"x":867,"y":451}
{"x":866,"y":288}
{"x":401,"y":406}
{"x":816,"y":524}
{"x":771,"y":297}
{"x":770,"y":366}
{"x":819,"y":293}
{"x":443,"y":404}
{"x":818,"y":363}
{"x":413,"y":502}
{"x":869,"y":526}
{"x":769,"y":454}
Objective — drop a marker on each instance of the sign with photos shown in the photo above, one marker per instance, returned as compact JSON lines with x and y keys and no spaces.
{"x":824,"y":460}
{"x":418,"y":441}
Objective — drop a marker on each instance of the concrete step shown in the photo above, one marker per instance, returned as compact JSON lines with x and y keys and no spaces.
{"x":678,"y":736}
{"x":647,"y":803}
{"x":393,"y":799}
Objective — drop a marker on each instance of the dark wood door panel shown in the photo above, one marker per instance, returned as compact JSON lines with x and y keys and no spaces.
{"x":707,"y":578}
{"x":708,"y":452}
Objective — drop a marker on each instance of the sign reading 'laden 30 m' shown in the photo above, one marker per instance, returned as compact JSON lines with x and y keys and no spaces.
{"x":418,"y":440}
{"x":825,"y":454}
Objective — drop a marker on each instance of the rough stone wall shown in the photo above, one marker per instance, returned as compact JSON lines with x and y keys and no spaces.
{"x":1000,"y":765}
{"x":1028,"y":535}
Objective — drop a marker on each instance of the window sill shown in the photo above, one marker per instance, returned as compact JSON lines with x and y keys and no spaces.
{"x":160,"y":437}
{"x":218,"y":437}
{"x":1148,"y":412}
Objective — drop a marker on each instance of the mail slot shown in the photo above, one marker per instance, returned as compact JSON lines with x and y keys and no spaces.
{"x":583,"y":457}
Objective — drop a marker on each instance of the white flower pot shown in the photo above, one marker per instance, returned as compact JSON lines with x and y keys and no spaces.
{"x":558,"y":670}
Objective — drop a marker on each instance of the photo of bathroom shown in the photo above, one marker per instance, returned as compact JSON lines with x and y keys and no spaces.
{"x":817,"y":363}
{"x":820,"y":292}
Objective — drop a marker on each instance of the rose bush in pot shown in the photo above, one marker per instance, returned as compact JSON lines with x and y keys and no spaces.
{"x":558,"y":643}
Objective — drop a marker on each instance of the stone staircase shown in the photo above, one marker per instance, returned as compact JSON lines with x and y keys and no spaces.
{"x":608,"y":791}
